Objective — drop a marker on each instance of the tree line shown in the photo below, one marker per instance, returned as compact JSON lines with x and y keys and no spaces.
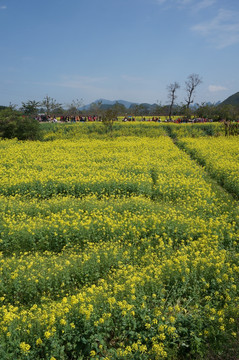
{"x":215,"y":112}
{"x":22,"y":123}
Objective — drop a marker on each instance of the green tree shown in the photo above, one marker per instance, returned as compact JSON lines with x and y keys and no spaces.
{"x":12,"y":106}
{"x":157,"y":109}
{"x":30,"y":107}
{"x":139,"y":109}
{"x":96,"y":108}
{"x":185,"y":111}
{"x":228,"y":112}
{"x":50,"y":105}
{"x":205,"y":110}
{"x":109,"y":116}
{"x":14,"y":125}
{"x":119,"y":109}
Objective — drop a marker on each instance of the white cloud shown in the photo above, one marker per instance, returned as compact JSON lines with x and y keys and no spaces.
{"x":3,"y":7}
{"x":195,"y":5}
{"x":77,"y":82}
{"x":133,"y":79}
{"x":215,"y":88}
{"x":80,"y":81}
{"x":185,"y":2}
{"x":172,"y":2}
{"x":222,"y":30}
{"x":201,"y":5}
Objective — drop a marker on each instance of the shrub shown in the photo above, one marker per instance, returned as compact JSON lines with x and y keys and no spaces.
{"x":14,"y":125}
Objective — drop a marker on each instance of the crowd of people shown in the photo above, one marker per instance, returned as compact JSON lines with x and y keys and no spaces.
{"x":66,"y":118}
{"x":90,"y":118}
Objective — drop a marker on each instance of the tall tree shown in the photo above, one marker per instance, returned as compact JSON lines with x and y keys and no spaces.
{"x":191,"y":83}
{"x":139,"y":109}
{"x":119,"y":109}
{"x":50,"y":105}
{"x":205,"y":110}
{"x":109,"y":116}
{"x":74,"y":107}
{"x":172,"y":96}
{"x":30,"y":107}
{"x":96,"y":108}
{"x":157,"y":109}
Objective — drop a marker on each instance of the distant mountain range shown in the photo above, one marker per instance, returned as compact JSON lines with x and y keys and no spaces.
{"x":127,"y":104}
{"x":231,"y":100}
{"x":105,"y":104}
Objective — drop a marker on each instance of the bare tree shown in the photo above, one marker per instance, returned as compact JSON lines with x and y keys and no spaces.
{"x":192,"y":82}
{"x":172,"y":96}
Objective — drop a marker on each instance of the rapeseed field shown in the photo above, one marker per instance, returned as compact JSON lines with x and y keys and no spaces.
{"x":220,"y":156}
{"x":119,"y":247}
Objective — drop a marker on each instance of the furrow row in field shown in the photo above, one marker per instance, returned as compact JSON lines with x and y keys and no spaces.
{"x":108,"y":272}
{"x":219,"y":157}
{"x":144,"y":310}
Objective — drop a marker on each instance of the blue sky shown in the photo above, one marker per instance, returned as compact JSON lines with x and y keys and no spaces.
{"x":117,"y":49}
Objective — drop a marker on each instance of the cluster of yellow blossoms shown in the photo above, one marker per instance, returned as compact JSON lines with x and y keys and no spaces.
{"x":220,"y":156}
{"x":116,"y":249}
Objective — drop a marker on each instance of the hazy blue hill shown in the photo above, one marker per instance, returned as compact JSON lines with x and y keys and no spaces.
{"x":105,"y":102}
